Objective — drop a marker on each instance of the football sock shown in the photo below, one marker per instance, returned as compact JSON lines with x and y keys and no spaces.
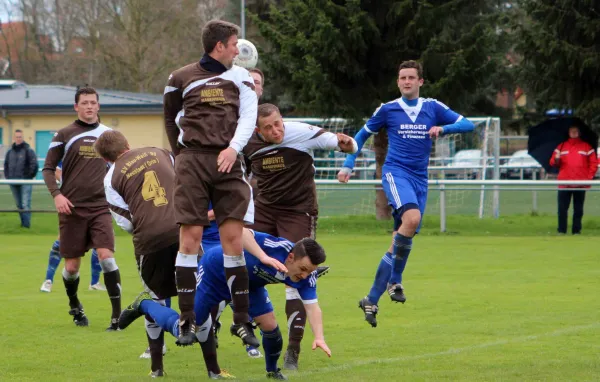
{"x":186,"y":267}
{"x":382,"y":276}
{"x":112,"y":280}
{"x":236,"y":275}
{"x":166,"y":318}
{"x":402,"y":247}
{"x":209,"y":352}
{"x":53,"y":261}
{"x":96,"y":268}
{"x":71,"y":286}
{"x":296,"y":314}
{"x":272,"y":345}
{"x":156,"y":340}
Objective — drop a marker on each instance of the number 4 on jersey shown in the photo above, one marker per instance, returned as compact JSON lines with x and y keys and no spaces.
{"x":151,"y":189}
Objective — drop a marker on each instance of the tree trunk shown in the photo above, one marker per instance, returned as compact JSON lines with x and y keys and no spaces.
{"x":380,"y":143}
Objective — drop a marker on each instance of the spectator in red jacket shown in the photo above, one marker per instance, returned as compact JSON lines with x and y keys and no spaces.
{"x":576,"y":160}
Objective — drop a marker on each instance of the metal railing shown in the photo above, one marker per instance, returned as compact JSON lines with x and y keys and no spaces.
{"x":445,"y":185}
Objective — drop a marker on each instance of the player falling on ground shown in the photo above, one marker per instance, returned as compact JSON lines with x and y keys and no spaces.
{"x":281,"y":157}
{"x":54,"y":259}
{"x":412,"y":123}
{"x":210,"y":113}
{"x":83,"y":215}
{"x":300,"y":259}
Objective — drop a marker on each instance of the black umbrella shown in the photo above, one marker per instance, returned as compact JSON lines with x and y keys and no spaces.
{"x":546,"y":137}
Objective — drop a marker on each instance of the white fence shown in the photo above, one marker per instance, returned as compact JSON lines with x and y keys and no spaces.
{"x":441,"y":185}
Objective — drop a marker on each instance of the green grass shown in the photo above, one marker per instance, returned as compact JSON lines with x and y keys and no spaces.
{"x":484,"y":304}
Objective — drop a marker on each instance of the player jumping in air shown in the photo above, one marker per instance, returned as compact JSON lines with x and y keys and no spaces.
{"x":412,"y":123}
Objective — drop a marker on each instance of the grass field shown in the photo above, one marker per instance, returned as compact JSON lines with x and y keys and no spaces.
{"x":494,"y":301}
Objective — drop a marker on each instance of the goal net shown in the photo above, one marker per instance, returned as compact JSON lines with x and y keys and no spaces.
{"x":457,"y":156}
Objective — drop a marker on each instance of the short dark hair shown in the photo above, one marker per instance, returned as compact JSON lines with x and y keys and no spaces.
{"x":265,"y":110}
{"x":111,"y":144}
{"x":412,"y":64}
{"x":309,"y":247}
{"x":86,"y":90}
{"x":19,"y":131}
{"x":260,"y":73}
{"x":215,"y":31}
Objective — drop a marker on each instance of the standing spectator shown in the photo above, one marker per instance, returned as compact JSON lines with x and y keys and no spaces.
{"x":576,"y":160}
{"x":21,"y":163}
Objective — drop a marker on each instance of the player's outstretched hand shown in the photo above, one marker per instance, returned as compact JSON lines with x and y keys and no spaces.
{"x":321,"y":344}
{"x":226,"y":159}
{"x":436,"y":131}
{"x":346,"y":143}
{"x":63,"y":205}
{"x":273,"y":263}
{"x":344,"y":175}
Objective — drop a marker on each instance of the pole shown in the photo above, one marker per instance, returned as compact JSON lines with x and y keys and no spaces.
{"x":243,"y":17}
{"x":535,"y":204}
{"x":442,"y":208}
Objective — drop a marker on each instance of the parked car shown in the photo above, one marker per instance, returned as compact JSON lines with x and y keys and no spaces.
{"x":466,"y":164}
{"x":520,"y":164}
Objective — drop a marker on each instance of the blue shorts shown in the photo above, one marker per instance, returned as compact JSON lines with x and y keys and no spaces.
{"x":212,"y":289}
{"x":402,"y":189}
{"x":208,"y":244}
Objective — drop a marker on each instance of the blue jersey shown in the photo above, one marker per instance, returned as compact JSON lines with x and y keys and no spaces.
{"x":211,"y":232}
{"x":259,"y":274}
{"x":408,"y":123}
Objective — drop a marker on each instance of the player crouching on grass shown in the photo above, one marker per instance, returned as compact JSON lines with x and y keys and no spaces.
{"x":300,"y":260}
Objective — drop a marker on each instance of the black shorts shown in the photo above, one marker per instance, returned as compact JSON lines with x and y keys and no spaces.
{"x":157,"y":271}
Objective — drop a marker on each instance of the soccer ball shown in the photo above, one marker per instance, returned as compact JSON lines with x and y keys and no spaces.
{"x":248,"y":56}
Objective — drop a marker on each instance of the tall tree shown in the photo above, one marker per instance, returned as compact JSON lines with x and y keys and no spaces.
{"x":559,"y":44}
{"x":340,"y":57}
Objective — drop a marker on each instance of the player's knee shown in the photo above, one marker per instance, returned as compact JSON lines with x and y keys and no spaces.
{"x":231,"y":232}
{"x":190,"y":238}
{"x":266,"y":322}
{"x":411,"y":218}
{"x":72,"y":265}
{"x":104,"y":253}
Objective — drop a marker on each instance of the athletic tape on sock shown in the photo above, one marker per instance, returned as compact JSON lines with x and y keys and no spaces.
{"x":187,"y":261}
{"x":108,"y":265}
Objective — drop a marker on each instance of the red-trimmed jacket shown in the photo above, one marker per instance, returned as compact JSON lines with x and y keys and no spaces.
{"x":578,"y":161}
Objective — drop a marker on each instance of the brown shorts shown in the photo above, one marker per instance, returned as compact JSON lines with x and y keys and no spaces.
{"x":290,"y":225}
{"x":157,"y":271}
{"x":198,"y":182}
{"x":84,"y":229}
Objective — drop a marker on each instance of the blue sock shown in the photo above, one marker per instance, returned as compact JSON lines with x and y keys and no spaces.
{"x":53,"y":261}
{"x":166,"y":318}
{"x":168,"y":302}
{"x":382,"y":277}
{"x":272,"y":345}
{"x":402,"y":247}
{"x":96,"y":268}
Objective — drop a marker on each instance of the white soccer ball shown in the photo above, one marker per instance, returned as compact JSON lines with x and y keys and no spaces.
{"x":248,"y":56}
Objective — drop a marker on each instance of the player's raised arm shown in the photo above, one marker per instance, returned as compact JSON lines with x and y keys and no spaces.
{"x":449,"y":122}
{"x":251,"y":245}
{"x":373,"y":125}
{"x":173,"y":104}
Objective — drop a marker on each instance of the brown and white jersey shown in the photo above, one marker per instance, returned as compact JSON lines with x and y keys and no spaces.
{"x":139,"y":190}
{"x":285,"y":172}
{"x":83,"y":170}
{"x":209,"y":111}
